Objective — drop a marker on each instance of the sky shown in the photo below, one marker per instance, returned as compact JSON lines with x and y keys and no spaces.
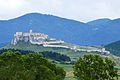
{"x":81,"y":10}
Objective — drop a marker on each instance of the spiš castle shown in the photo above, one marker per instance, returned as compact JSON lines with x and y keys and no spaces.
{"x":36,"y":38}
{"x":44,"y":40}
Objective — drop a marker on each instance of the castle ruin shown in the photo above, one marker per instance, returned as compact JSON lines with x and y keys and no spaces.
{"x":34,"y":38}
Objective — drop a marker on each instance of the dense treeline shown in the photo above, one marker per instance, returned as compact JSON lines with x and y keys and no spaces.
{"x":15,"y":66}
{"x":47,"y":54}
{"x":16,"y":50}
{"x":55,"y":56}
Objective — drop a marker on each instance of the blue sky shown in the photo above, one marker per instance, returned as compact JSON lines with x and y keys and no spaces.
{"x":81,"y":10}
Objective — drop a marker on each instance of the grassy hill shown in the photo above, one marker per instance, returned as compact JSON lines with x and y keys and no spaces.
{"x":39,"y":48}
{"x":74,"y":54}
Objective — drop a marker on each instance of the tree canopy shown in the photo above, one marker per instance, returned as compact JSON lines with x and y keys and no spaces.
{"x":15,"y":66}
{"x":95,"y":67}
{"x":46,"y":54}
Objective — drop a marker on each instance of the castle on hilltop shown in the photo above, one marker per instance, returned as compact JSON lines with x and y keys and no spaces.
{"x":45,"y":41}
{"x":34,"y":38}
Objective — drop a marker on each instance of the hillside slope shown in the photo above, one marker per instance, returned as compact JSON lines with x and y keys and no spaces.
{"x":114,"y":48}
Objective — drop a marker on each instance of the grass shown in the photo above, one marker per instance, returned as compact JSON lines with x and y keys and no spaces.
{"x":69,"y":71}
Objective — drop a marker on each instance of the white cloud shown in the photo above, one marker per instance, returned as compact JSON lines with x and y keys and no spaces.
{"x":82,"y":10}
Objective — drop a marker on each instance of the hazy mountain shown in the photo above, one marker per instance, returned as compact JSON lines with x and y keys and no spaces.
{"x":98,"y":22}
{"x":106,"y":30}
{"x":114,"y":48}
{"x":68,"y":30}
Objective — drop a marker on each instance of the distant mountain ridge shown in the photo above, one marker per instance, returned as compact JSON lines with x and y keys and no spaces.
{"x":70,"y":31}
{"x":98,"y":22}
